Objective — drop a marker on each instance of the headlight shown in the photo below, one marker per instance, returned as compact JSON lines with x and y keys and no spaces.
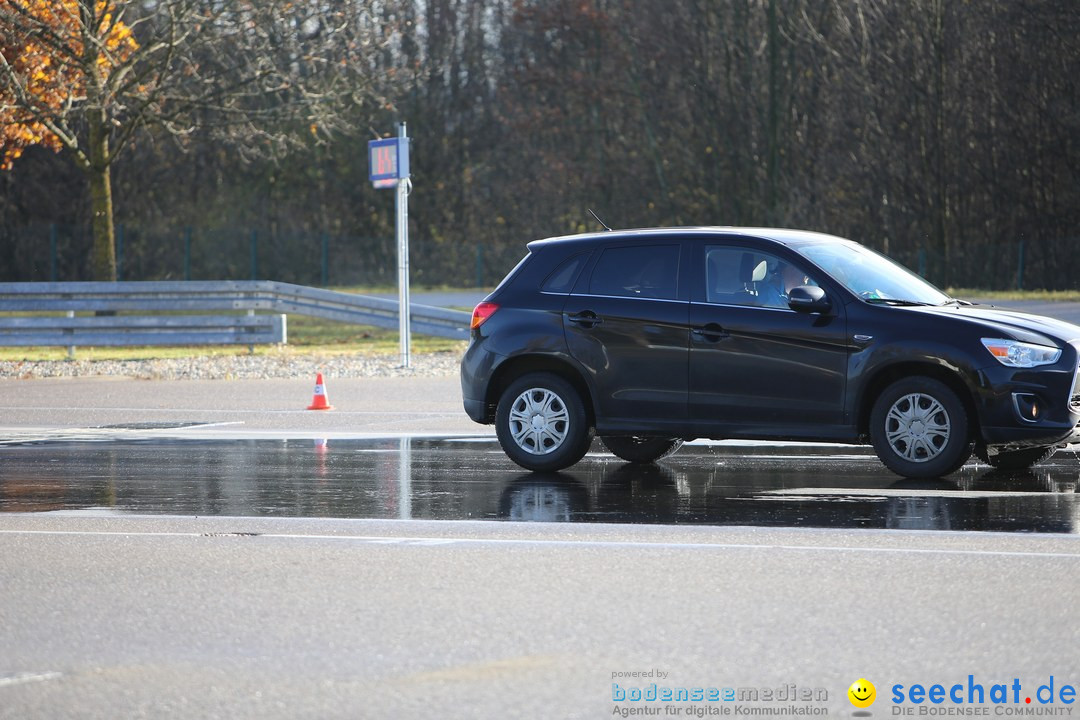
{"x":1020,"y":354}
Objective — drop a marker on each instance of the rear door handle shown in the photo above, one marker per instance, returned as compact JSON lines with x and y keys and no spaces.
{"x":586,"y":319}
{"x":711,"y":332}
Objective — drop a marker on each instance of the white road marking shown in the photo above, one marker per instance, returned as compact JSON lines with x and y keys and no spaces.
{"x":644,"y":544}
{"x":229,"y":411}
{"x":27,"y":677}
{"x":882,"y":493}
{"x":211,"y":431}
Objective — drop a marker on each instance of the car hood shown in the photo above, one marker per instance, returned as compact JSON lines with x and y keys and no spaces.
{"x":1011,"y":324}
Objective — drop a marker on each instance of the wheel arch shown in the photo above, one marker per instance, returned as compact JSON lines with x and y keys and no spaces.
{"x":511,"y":369}
{"x":890,"y":374}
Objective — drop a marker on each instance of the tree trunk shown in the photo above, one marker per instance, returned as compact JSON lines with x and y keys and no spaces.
{"x":941,"y":185}
{"x":103,"y":254}
{"x":772,"y":121}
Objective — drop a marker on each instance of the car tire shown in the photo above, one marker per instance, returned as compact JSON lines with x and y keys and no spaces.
{"x":1015,"y":459}
{"x":641,"y":449}
{"x":919,"y":428}
{"x":541,"y":423}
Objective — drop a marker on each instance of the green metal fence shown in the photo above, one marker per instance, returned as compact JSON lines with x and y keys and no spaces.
{"x":1019,"y":265}
{"x":60,"y":253}
{"x":54,"y":252}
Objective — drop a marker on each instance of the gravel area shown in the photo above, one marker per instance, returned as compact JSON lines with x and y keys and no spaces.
{"x":237,"y":367}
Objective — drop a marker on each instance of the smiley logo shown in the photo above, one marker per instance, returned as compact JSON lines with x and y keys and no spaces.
{"x":862,"y":693}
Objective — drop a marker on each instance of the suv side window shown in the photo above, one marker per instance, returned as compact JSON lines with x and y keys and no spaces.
{"x":561,"y":280}
{"x":646,"y":271}
{"x":741,"y":276}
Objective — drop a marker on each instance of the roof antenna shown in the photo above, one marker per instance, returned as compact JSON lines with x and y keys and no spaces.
{"x":597,"y":218}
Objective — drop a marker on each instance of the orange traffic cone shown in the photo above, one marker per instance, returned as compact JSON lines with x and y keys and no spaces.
{"x":319,"y":401}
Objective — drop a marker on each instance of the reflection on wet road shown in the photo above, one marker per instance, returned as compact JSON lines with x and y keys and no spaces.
{"x":448,"y":479}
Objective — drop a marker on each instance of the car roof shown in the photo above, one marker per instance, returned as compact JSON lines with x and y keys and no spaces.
{"x":780,"y":235}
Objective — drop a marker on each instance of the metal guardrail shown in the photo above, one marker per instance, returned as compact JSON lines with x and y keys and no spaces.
{"x":195,"y":296}
{"x":143,"y":330}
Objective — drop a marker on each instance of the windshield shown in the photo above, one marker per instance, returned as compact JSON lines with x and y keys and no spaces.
{"x":872,"y":276}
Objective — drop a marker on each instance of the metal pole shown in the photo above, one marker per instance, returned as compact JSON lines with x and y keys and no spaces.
{"x":251,"y":348}
{"x":403,"y":263}
{"x":71,"y":348}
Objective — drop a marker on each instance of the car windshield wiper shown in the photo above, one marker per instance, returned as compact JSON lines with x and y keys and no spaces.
{"x":956,"y":301}
{"x":897,"y":301}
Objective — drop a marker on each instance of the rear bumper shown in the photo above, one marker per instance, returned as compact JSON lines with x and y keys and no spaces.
{"x":477,"y":368}
{"x":476,"y":410}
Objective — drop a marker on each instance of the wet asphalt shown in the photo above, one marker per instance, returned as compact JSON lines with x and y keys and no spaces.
{"x":469,"y":478}
{"x":150,"y":576}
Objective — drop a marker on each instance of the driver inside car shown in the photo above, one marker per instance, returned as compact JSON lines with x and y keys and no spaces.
{"x":773,"y":292}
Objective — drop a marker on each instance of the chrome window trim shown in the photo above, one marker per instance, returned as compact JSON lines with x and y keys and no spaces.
{"x":629,"y":297}
{"x":730,"y":305}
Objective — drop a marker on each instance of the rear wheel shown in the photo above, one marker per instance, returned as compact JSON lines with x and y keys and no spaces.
{"x":641,"y":449}
{"x":1015,"y":459}
{"x":541,"y":423}
{"x":920,"y":429}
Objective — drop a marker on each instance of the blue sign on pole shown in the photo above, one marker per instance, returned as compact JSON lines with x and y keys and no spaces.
{"x":388,"y":166}
{"x":388,"y":161}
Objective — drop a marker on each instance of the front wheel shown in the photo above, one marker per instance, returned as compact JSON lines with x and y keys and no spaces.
{"x":641,"y":449}
{"x":541,"y":423}
{"x":919,"y":428}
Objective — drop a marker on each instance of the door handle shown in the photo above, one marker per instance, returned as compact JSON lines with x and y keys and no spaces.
{"x":711,"y":332}
{"x":586,"y":319}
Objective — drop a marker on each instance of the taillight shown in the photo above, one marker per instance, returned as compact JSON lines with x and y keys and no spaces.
{"x":482,"y":312}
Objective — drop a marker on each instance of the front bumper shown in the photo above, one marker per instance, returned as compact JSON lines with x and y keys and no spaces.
{"x":1007,"y":396}
{"x":1013,"y":438}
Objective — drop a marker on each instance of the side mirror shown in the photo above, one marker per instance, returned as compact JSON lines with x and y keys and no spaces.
{"x":808,"y":299}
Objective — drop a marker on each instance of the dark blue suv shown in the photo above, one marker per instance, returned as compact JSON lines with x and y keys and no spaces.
{"x":651,"y":337}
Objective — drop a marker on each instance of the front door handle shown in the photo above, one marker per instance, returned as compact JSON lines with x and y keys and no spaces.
{"x":711,"y":332}
{"x":586,"y":319}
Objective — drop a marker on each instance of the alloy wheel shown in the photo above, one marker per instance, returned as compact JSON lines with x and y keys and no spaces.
{"x":539,"y":421}
{"x":917,"y":427}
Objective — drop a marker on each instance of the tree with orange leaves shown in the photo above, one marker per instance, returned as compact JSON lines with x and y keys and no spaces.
{"x":88,"y":76}
{"x":58,"y":58}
